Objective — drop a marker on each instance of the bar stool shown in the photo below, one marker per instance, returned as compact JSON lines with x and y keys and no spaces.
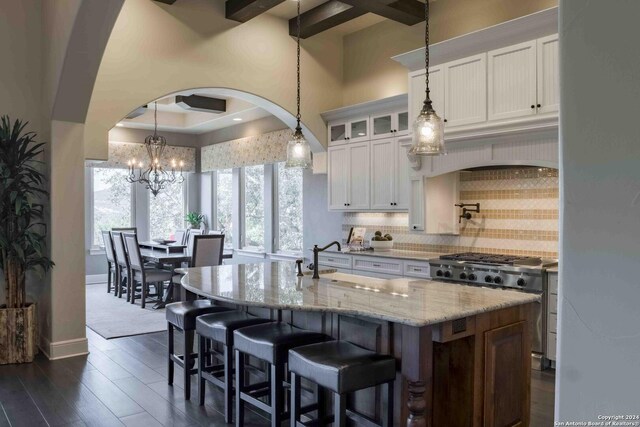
{"x":343,"y":368}
{"x":182,"y":316}
{"x":219,"y":327}
{"x":270,"y":343}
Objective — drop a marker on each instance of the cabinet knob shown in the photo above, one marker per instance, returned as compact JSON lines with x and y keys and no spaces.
{"x":445,"y":120}
{"x":539,"y":105}
{"x":533,"y":106}
{"x":414,"y":227}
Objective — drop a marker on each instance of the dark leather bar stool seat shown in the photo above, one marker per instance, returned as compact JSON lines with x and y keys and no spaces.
{"x":270,"y":343}
{"x":219,"y":327}
{"x":182,"y":316}
{"x":343,"y":368}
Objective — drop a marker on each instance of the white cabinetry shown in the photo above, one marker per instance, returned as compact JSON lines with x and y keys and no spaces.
{"x":465,"y":91}
{"x":349,"y":131}
{"x":348,"y":177}
{"x":548,"y":75}
{"x":389,"y":175}
{"x":418,"y":87}
{"x":441,"y":195}
{"x":416,"y":203}
{"x":388,"y":125}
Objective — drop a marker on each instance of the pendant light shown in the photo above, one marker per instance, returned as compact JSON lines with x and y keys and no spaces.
{"x":428,"y":128}
{"x":298,"y":149}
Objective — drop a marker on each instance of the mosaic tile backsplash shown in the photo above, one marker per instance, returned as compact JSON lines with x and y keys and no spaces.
{"x":518,"y":216}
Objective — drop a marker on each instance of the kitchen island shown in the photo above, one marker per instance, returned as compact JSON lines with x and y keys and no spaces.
{"x":463,"y":351}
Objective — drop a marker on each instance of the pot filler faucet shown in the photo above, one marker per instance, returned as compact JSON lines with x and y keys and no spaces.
{"x":466,"y":210}
{"x":316,"y":251}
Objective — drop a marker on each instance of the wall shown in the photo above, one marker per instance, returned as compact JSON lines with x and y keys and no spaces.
{"x":242,"y":130}
{"x":198,"y":47}
{"x":598,"y":366}
{"x":518,"y":215}
{"x":370,"y":74}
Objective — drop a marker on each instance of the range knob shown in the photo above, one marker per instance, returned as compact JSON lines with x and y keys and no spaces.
{"x":497,"y":280}
{"x":463,"y":276}
{"x":472,"y":276}
{"x":439,"y":273}
{"x":521,"y":282}
{"x":488,"y":279}
{"x":447,"y":274}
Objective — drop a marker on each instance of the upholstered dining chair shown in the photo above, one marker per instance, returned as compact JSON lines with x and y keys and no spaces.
{"x":180,"y":236}
{"x":207,"y":250}
{"x":190,"y":237}
{"x":215,"y":232}
{"x":111,"y":262}
{"x":143,"y":274}
{"x":133,"y":230}
{"x":122,"y":282}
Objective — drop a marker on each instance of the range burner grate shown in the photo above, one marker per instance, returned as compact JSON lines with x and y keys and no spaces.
{"x":494,"y":259}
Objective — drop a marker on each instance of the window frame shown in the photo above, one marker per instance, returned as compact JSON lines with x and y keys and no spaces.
{"x":185,"y":204}
{"x":242,"y":242}
{"x":214,"y":198}
{"x":276,"y":216}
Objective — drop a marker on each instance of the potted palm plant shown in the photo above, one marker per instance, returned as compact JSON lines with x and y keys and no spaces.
{"x":22,"y":237}
{"x":194,"y":219}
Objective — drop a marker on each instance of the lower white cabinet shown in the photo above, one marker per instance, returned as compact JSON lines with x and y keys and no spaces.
{"x":335,"y":260}
{"x":375,"y":266}
{"x":378,"y":265}
{"x":416,"y":203}
{"x":418,"y":269}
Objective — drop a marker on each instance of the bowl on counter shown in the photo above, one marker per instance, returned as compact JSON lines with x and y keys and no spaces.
{"x":164,"y":241}
{"x":381,"y":245}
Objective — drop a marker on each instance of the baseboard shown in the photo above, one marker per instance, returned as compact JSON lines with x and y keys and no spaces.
{"x":63,"y":349}
{"x":92,"y":279}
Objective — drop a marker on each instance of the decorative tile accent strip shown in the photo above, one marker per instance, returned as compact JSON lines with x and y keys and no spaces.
{"x":121,"y":152}
{"x":532,"y":193}
{"x":510,"y":173}
{"x":254,"y":150}
{"x":519,"y":214}
{"x":510,"y":234}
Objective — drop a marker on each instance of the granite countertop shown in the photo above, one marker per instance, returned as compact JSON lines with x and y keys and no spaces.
{"x":393,"y":253}
{"x":403,"y":300}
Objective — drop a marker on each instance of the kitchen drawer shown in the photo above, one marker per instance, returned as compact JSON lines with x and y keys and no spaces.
{"x":377,"y":265}
{"x":552,"y":342}
{"x":553,"y":283}
{"x":417,"y":269}
{"x":553,"y":323}
{"x":553,"y":303}
{"x":335,"y":260}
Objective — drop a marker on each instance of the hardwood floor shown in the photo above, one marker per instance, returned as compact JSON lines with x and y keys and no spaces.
{"x":123,"y":383}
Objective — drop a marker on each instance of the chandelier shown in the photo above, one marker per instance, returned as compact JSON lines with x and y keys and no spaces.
{"x":298,"y":149}
{"x":428,"y":128}
{"x":154,"y":176}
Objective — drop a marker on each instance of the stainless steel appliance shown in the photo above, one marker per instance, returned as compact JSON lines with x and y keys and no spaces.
{"x":519,"y":273}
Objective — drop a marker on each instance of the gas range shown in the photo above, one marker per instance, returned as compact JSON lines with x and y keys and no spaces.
{"x":498,"y":271}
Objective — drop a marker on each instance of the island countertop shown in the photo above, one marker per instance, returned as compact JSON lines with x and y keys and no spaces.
{"x":406,"y":301}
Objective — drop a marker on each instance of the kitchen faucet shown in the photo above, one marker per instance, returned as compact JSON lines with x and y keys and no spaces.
{"x":316,"y":251}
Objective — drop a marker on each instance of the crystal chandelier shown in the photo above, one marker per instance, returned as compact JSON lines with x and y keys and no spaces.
{"x":298,"y":149}
{"x":154,"y":176}
{"x":428,"y":128}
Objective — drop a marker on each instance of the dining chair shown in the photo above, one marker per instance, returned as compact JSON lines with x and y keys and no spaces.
{"x":143,"y":274}
{"x":111,"y":262}
{"x":215,"y":232}
{"x":123,"y":272}
{"x":180,"y":236}
{"x":207,"y":250}
{"x":190,"y":237}
{"x":133,"y":230}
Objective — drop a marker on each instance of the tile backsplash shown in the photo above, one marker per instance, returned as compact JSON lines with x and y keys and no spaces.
{"x":518,"y":216}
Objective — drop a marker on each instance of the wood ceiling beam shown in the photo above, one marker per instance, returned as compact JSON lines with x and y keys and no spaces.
{"x":324,"y":17}
{"x":245,"y":10}
{"x":408,"y":12}
{"x":166,"y":1}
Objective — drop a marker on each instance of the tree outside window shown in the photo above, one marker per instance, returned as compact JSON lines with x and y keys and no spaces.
{"x":224,"y":207}
{"x":254,"y":206}
{"x":112,"y":202}
{"x":289,"y":209}
{"x":167,"y":211}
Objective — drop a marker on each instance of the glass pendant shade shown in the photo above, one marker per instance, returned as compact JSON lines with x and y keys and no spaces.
{"x":428,"y":134}
{"x":298,"y":152}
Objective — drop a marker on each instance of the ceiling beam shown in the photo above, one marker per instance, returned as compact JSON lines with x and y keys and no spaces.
{"x":408,"y":12}
{"x":245,"y":10}
{"x":166,"y":1}
{"x":204,"y":104}
{"x":324,"y":17}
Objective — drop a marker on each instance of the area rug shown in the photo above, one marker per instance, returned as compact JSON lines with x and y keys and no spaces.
{"x":112,"y":317}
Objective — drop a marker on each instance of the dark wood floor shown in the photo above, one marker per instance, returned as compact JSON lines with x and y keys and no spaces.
{"x":123,"y":382}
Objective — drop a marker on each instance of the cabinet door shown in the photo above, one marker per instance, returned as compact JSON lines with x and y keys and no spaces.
{"x":512,"y":81}
{"x":382,"y":126}
{"x":337,"y":133}
{"x":358,"y":130}
{"x":338,"y":159}
{"x":465,"y":84}
{"x":402,"y":184}
{"x":548,"y":75}
{"x":358,"y":172}
{"x":417,"y":93}
{"x":416,"y":204}
{"x":402,"y":123}
{"x":507,"y":376}
{"x":436,"y":88}
{"x":382,"y":174}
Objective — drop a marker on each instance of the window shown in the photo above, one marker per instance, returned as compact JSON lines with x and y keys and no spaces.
{"x":111,"y":198}
{"x":289,"y":205}
{"x":167,"y":211}
{"x":254,"y":207}
{"x":224,"y":205}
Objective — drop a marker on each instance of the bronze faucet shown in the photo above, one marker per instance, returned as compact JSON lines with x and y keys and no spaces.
{"x":316,"y":250}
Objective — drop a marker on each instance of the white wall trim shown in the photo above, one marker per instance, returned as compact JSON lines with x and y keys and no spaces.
{"x":63,"y":349}
{"x":92,"y":279}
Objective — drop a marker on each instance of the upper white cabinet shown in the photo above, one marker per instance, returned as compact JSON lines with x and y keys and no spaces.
{"x":355,"y":130}
{"x":416,"y":203}
{"x":418,"y":94}
{"x":389,"y":175}
{"x":465,"y":91}
{"x":512,"y":81}
{"x":348,"y":177}
{"x":388,"y":125}
{"x":548,"y":75}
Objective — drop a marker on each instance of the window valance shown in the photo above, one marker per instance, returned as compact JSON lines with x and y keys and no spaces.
{"x":254,"y":150}
{"x":121,"y":152}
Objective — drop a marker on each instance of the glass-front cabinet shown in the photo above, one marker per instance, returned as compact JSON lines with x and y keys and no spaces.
{"x":389,"y":124}
{"x":355,"y":130}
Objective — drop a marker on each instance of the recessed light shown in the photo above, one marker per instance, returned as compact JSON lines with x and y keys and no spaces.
{"x":120,"y":125}
{"x":237,"y":119}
